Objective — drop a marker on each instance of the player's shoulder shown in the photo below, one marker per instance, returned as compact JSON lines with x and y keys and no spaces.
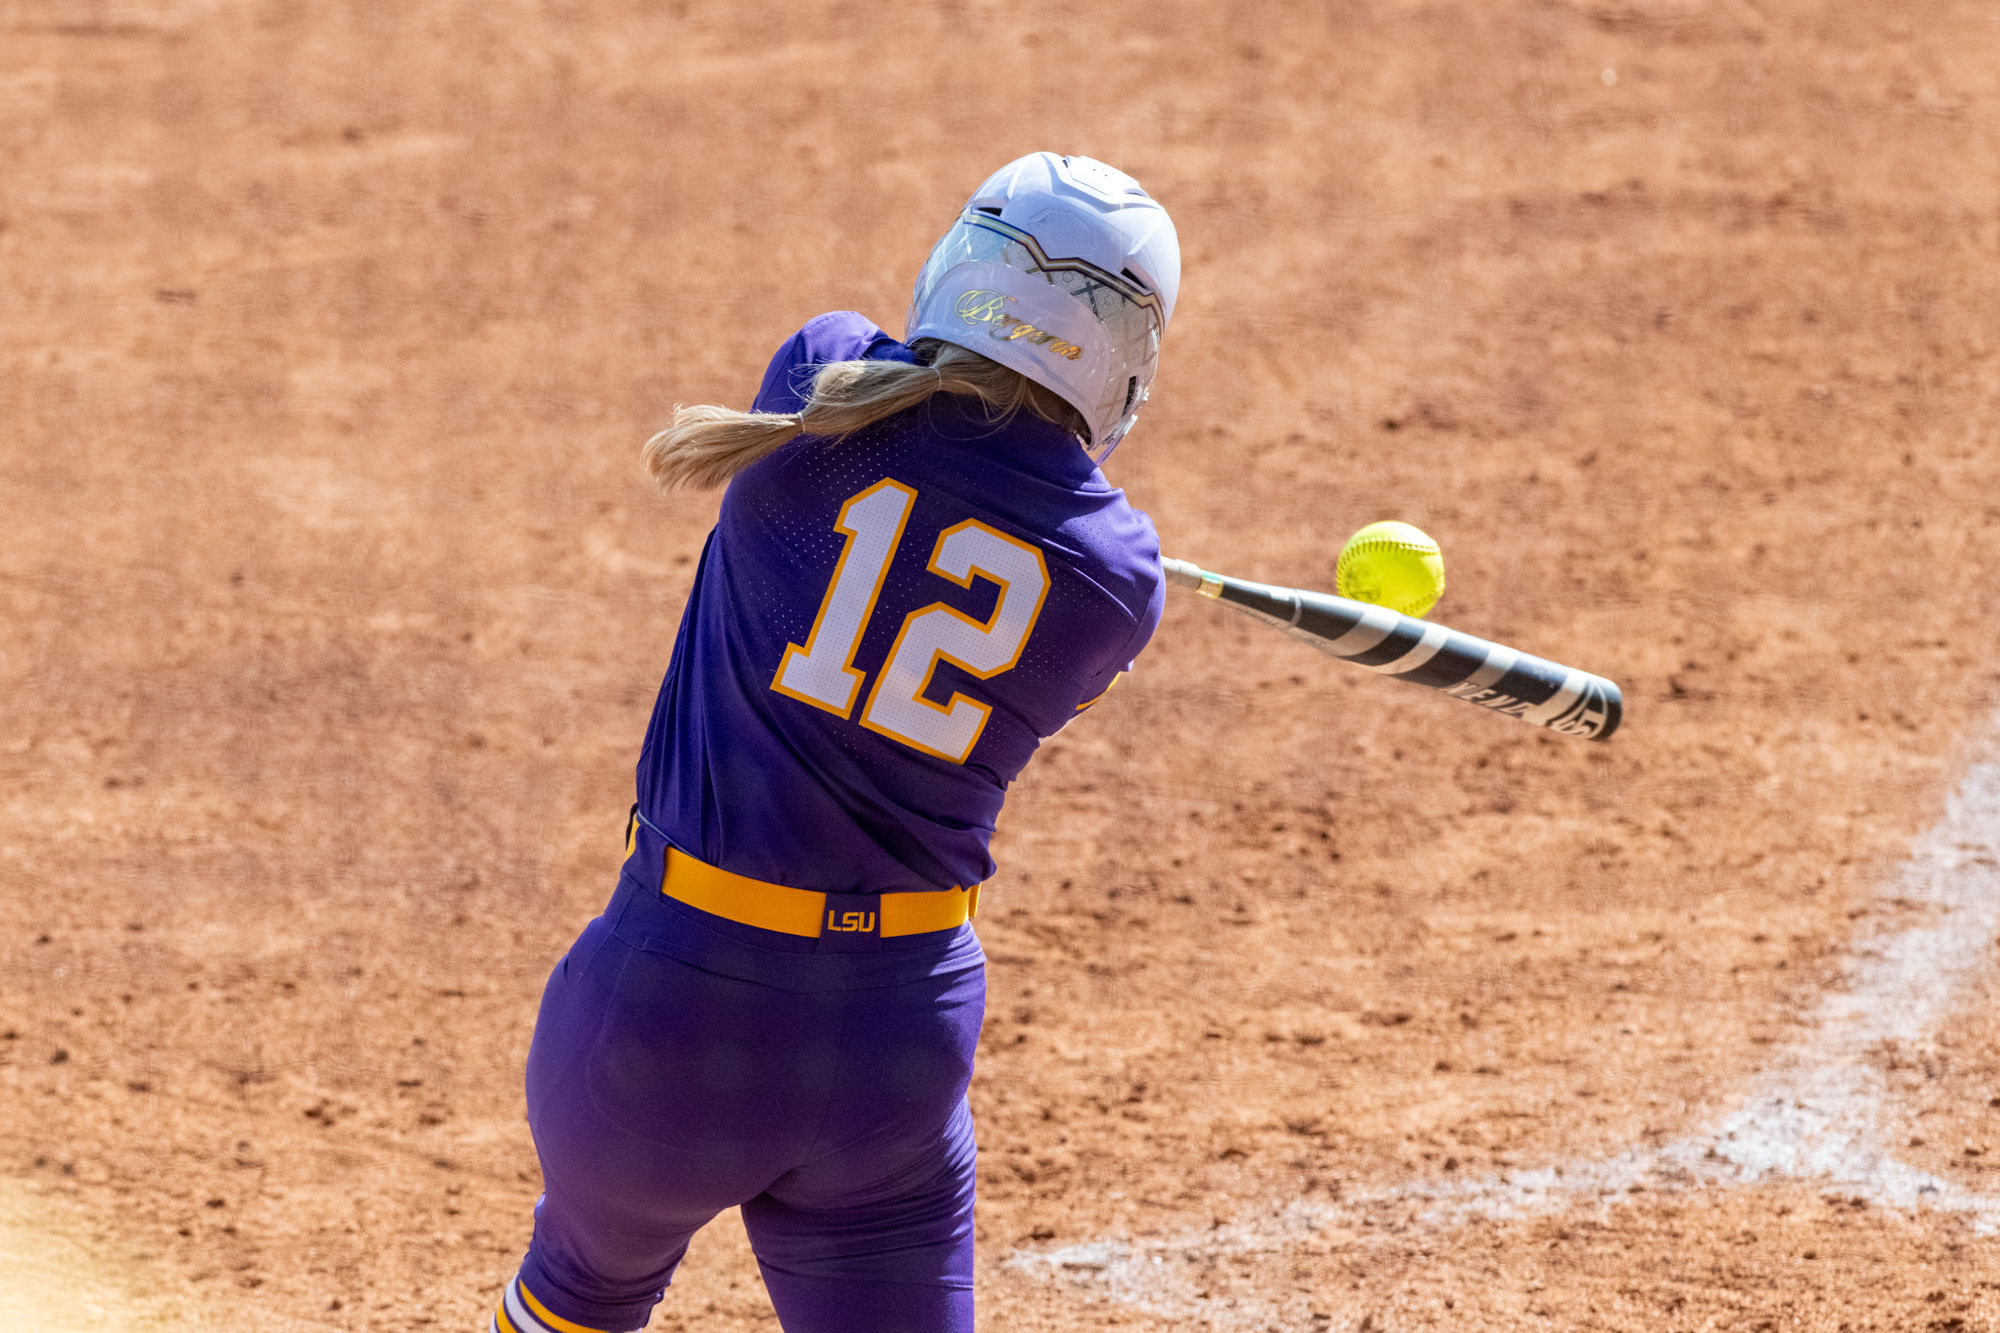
{"x":840,"y":335}
{"x":1125,"y":556}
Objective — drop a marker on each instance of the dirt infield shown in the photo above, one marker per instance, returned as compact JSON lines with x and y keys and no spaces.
{"x":334,"y":603}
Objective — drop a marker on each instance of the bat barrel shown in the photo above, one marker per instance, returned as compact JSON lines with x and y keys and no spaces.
{"x":1491,"y":675}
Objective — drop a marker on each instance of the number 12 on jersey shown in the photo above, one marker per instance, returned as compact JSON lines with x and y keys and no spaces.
{"x":822,"y":673}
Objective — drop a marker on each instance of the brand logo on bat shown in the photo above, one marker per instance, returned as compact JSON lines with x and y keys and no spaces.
{"x":846,"y":922}
{"x":980,"y":306}
{"x":1585,"y":719}
{"x":1505,"y":704}
{"x":1586,"y":726}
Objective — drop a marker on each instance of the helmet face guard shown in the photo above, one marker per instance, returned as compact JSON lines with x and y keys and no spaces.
{"x":1088,"y":333}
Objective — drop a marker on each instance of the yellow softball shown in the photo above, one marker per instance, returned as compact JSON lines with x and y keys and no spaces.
{"x":1393,"y":565}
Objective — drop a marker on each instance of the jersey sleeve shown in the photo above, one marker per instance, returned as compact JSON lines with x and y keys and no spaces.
{"x":1143,"y":595}
{"x":840,"y":336}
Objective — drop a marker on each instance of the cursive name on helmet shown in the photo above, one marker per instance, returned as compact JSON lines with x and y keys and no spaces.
{"x":980,"y":306}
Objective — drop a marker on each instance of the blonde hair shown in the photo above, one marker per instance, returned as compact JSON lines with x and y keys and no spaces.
{"x":706,"y":446}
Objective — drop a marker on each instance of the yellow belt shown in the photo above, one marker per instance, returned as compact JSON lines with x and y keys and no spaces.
{"x":752,"y":902}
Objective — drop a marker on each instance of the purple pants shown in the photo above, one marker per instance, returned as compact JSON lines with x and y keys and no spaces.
{"x":684,"y":1064}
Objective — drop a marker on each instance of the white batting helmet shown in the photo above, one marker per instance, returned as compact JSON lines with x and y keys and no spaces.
{"x":1063,"y":269}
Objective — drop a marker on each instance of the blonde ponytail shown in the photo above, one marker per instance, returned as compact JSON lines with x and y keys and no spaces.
{"x":706,"y":446}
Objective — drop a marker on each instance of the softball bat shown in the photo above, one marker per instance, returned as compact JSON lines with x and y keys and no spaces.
{"x":1491,"y":675}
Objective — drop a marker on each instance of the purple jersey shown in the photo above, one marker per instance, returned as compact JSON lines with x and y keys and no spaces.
{"x":882,"y":629}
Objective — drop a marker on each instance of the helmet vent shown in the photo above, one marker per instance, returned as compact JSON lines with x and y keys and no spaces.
{"x":1135,"y":278}
{"x":990,"y":212}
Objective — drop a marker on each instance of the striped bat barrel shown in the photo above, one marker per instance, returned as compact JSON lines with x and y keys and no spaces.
{"x":1496,"y":677}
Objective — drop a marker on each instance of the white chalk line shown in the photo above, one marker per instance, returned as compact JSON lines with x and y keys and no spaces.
{"x":1816,"y":1114}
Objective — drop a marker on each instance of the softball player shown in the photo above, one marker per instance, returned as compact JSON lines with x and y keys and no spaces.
{"x":917,"y":574}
